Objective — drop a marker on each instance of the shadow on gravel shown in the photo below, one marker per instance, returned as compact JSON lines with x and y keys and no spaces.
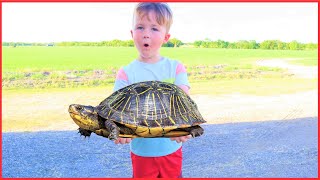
{"x":260,"y":149}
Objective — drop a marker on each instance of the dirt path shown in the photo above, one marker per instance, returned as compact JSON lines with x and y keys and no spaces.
{"x":299,"y":71}
{"x":234,"y":108}
{"x":48,"y":111}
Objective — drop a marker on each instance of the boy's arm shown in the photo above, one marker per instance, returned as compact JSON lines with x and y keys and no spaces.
{"x":184,"y":88}
{"x":120,"y":82}
{"x":182,"y":80}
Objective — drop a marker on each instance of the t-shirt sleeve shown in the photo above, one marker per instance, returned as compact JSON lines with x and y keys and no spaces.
{"x":121,"y":80}
{"x":181,"y":76}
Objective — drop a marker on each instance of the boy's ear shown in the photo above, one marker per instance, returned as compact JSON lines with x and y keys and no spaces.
{"x":166,"y":38}
{"x":131,"y":33}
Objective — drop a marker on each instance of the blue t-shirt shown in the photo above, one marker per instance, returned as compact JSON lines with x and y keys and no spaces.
{"x":164,"y":70}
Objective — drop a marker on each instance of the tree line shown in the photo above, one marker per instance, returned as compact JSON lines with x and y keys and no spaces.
{"x":252,"y":44}
{"x":174,"y":42}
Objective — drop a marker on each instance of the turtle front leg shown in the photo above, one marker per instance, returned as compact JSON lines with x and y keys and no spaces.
{"x":84,"y":132}
{"x":103,"y":133}
{"x":113,"y":129}
{"x":196,"y":131}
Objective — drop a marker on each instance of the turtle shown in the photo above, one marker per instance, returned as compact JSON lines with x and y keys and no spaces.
{"x":145,"y":109}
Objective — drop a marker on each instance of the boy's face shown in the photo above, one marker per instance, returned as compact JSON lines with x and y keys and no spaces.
{"x":148,"y":36}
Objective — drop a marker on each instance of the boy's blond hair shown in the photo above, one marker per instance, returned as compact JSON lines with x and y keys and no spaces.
{"x":162,"y":11}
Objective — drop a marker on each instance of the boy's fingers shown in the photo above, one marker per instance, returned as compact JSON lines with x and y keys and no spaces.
{"x":122,"y":140}
{"x":116,"y":141}
{"x":185,"y":138}
{"x":181,"y":139}
{"x":128,"y":140}
{"x":173,"y":138}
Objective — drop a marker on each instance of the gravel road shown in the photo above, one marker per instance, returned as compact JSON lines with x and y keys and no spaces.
{"x":286,"y":148}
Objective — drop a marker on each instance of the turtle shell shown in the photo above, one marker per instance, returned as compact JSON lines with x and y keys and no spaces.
{"x":151,"y":104}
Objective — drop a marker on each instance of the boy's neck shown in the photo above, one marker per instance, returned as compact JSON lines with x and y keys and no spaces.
{"x":151,"y":60}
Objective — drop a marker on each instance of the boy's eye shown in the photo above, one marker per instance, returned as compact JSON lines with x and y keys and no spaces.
{"x":154,"y":29}
{"x":139,"y":27}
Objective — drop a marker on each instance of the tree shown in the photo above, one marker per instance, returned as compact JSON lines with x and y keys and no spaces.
{"x":253,"y":44}
{"x":176,"y":42}
{"x":222,"y":44}
{"x":265,"y":44}
{"x":293,"y":45}
{"x":197,"y":43}
{"x":311,"y":46}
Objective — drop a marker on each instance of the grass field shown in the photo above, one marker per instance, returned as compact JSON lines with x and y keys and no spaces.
{"x":74,"y":67}
{"x":90,"y":58}
{"x":42,"y":81}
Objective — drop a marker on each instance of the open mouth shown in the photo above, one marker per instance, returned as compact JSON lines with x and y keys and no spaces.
{"x":146,"y":45}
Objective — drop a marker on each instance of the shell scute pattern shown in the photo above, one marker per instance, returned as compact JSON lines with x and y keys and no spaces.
{"x":151,"y":104}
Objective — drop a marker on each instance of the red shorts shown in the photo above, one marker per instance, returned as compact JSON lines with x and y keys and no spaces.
{"x":169,"y":166}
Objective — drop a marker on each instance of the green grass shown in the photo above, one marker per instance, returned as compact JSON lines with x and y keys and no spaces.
{"x":76,"y":67}
{"x":26,"y":59}
{"x":195,"y":56}
{"x":64,"y":58}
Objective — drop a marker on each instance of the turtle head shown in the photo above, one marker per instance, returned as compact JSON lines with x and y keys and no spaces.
{"x":85,"y":117}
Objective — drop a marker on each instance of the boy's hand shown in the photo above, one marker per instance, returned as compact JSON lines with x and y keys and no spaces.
{"x":181,"y":138}
{"x":178,"y":139}
{"x":123,"y":140}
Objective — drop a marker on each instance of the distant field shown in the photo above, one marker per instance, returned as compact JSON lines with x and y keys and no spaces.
{"x":74,"y":67}
{"x":91,"y":58}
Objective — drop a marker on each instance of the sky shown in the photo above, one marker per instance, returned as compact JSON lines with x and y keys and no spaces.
{"x":57,"y":22}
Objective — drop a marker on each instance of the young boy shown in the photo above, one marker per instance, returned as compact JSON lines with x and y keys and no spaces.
{"x":153,"y":157}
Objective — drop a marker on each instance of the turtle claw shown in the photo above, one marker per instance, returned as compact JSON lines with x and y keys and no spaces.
{"x":113,"y":137}
{"x":85,"y":133}
{"x":196,"y":132}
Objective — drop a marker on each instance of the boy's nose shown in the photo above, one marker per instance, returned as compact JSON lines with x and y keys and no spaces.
{"x":146,"y":34}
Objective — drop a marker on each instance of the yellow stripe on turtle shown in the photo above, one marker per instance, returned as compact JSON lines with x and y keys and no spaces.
{"x":137,"y":104}
{"x":134,"y":120}
{"x":118,"y":103}
{"x":170,"y":112}
{"x":154,"y":104}
{"x":164,"y":110}
{"x":145,"y":121}
{"x":126,"y":104}
{"x":109,"y":113}
{"x":183,"y":117}
{"x":182,"y":104}
{"x":144,"y":91}
{"x":167,"y":88}
{"x":171,"y":120}
{"x":147,"y":106}
{"x":173,"y":106}
{"x":129,"y":106}
{"x":157,"y":123}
